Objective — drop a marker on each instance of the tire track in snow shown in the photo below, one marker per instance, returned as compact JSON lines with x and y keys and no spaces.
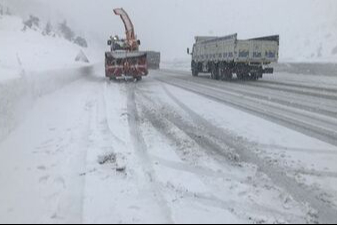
{"x":321,"y":92}
{"x":284,"y":117}
{"x":282,"y":97}
{"x":312,"y":105}
{"x":209,"y":145}
{"x":325,"y":213}
{"x":203,"y":140}
{"x":107,"y":121}
{"x":325,"y":94}
{"x":324,"y":108}
{"x":141,"y":149}
{"x":300,"y":86}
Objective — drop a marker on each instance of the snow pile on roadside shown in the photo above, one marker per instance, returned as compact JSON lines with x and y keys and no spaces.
{"x":17,"y":96}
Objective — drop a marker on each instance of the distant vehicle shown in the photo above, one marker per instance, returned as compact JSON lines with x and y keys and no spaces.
{"x":153,"y":60}
{"x":125,"y":59}
{"x":225,"y":56}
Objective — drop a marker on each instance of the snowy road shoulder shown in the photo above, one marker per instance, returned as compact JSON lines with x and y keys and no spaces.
{"x":17,"y":96}
{"x":115,"y":152}
{"x":42,"y":159}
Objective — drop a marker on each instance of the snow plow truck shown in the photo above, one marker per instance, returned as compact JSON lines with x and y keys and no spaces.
{"x":124,"y":60}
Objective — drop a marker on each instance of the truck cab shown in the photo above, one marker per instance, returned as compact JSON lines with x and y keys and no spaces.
{"x":117,"y":44}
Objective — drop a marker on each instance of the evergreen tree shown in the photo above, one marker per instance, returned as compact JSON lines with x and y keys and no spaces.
{"x":32,"y":21}
{"x":1,"y":10}
{"x":66,"y":31}
{"x":81,"y":42}
{"x":48,"y":29}
{"x":8,"y":12}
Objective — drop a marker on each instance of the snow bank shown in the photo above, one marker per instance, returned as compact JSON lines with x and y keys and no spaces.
{"x":32,"y":65}
{"x":18,"y":95}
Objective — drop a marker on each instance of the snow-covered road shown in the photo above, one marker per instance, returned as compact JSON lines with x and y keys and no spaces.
{"x":175,"y":149}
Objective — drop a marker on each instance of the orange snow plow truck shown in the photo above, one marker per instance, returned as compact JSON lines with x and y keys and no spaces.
{"x":124,"y":60}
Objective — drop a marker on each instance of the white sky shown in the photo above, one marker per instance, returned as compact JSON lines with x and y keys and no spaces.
{"x":169,"y":26}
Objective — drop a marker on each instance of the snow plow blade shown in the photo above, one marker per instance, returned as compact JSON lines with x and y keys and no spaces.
{"x":125,"y":64}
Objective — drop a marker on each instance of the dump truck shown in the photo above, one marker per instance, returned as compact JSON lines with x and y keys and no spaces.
{"x":124,"y":60}
{"x":153,"y":60}
{"x":224,"y":57}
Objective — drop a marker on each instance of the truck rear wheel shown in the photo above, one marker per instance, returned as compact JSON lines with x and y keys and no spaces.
{"x":195,"y":70}
{"x":215,"y":73}
{"x":255,"y":76}
{"x":244,"y":76}
{"x":224,"y":72}
{"x":227,"y":74}
{"x":240,"y":76}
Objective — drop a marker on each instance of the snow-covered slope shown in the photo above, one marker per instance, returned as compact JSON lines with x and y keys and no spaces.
{"x":318,"y":44}
{"x":31,"y":51}
{"x":32,"y":65}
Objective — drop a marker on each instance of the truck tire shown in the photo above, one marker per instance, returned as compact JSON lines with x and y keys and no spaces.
{"x":244,"y":76}
{"x":240,"y":76}
{"x":227,"y":74}
{"x":195,"y":70}
{"x":254,"y":77}
{"x":215,"y":72}
{"x":222,"y":71}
